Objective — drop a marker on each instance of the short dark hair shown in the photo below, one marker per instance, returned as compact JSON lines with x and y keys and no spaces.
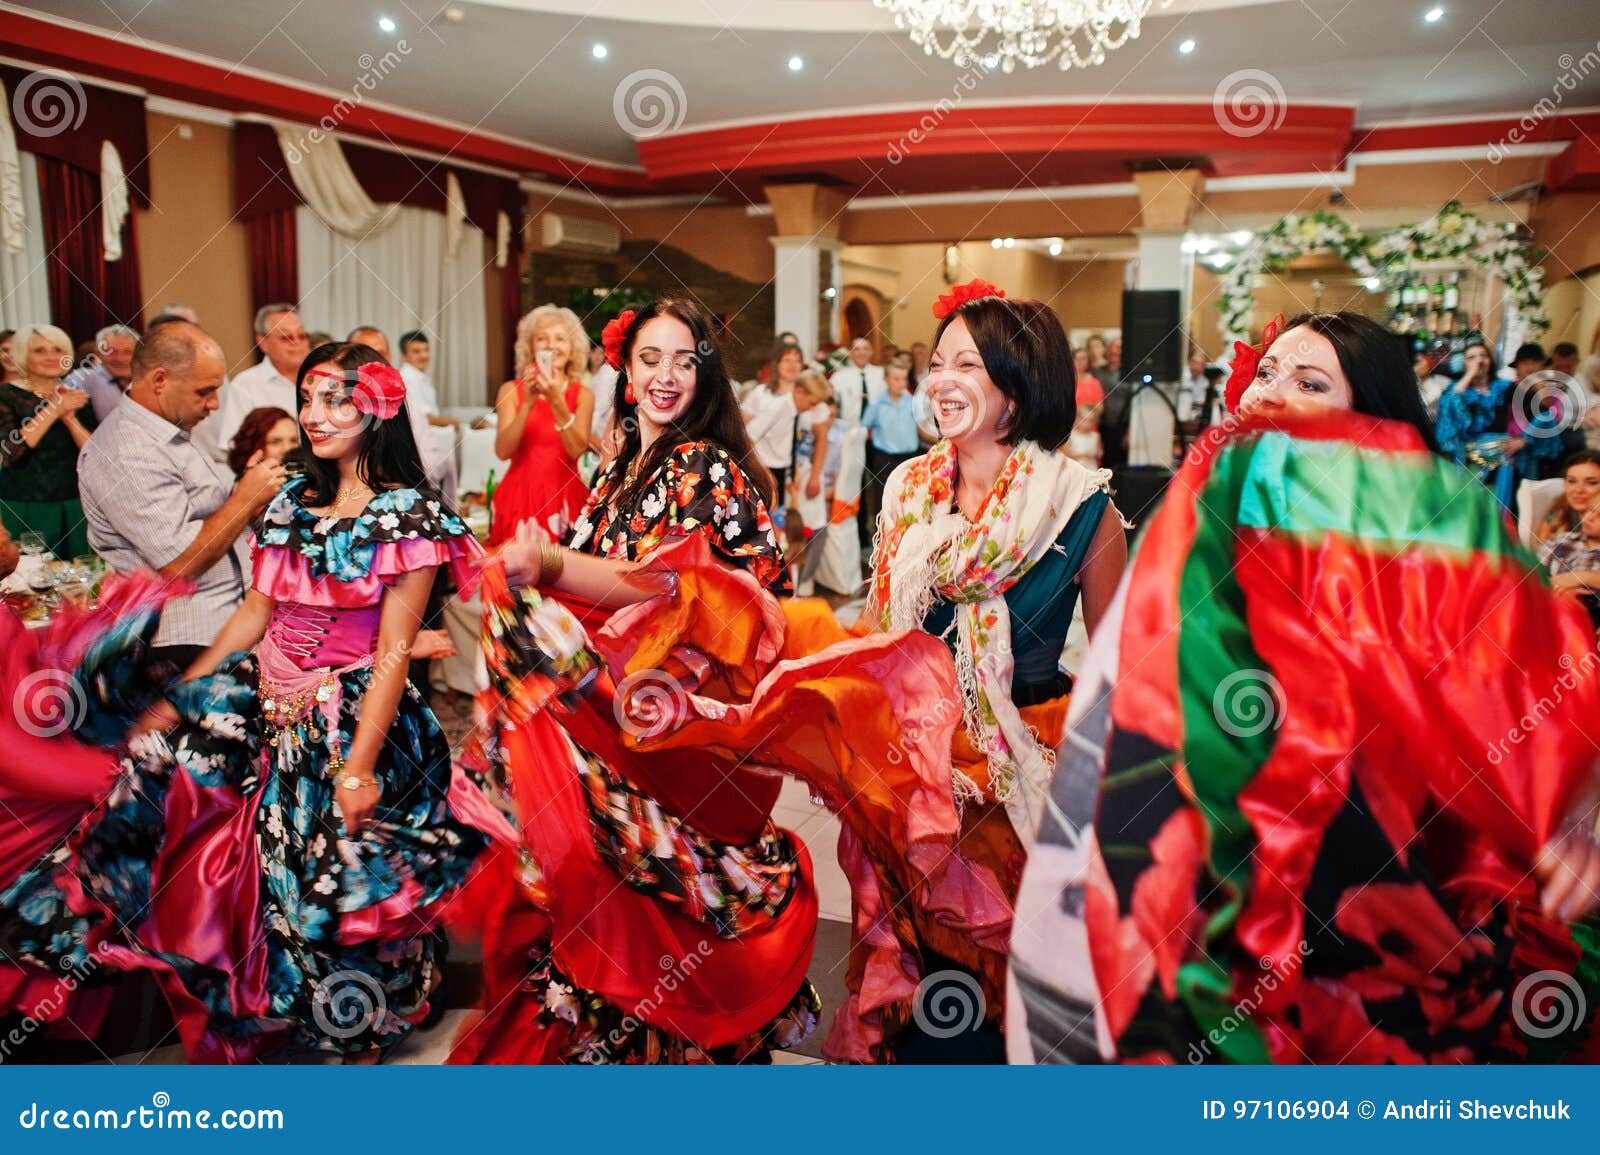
{"x":389,"y":457}
{"x":410,"y":337}
{"x":1026,"y":355}
{"x":1564,"y":349}
{"x":1529,"y":351}
{"x":1377,"y":363}
{"x":172,"y":346}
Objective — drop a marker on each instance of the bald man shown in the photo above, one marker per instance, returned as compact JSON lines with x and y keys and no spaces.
{"x":155,"y":501}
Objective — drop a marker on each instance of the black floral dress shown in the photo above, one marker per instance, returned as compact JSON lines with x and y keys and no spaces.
{"x":221,"y":857}
{"x":700,"y":487}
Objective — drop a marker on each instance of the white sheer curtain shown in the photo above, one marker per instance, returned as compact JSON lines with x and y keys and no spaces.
{"x":24,"y":289}
{"x":401,"y":278}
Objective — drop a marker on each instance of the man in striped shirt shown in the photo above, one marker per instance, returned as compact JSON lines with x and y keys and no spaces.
{"x":155,"y":501}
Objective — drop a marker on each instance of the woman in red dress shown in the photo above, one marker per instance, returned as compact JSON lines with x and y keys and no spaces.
{"x":543,"y":426}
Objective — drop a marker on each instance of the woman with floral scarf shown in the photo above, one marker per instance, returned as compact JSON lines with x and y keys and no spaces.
{"x":986,"y":541}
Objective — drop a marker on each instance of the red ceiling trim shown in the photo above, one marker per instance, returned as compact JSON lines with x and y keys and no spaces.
{"x":179,"y":78}
{"x":1530,"y":129}
{"x":1307,"y":136}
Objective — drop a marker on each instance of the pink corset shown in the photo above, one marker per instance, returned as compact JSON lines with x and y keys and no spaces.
{"x":316,"y":636}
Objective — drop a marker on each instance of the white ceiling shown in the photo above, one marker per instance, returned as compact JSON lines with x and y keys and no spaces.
{"x":524,"y":69}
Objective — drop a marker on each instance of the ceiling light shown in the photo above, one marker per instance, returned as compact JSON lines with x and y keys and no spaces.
{"x":1055,"y":248}
{"x":1186,"y":47}
{"x":1373,"y":284}
{"x":1031,"y":33}
{"x":1242,"y":237}
{"x":796,"y":64}
{"x":1434,"y":15}
{"x":1189,"y":245}
{"x":386,"y":24}
{"x":1010,"y":242}
{"x":995,"y":244}
{"x":599,"y":51}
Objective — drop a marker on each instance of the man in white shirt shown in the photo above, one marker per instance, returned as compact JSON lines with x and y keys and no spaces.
{"x":858,"y":383}
{"x":856,"y":386}
{"x":270,"y":383}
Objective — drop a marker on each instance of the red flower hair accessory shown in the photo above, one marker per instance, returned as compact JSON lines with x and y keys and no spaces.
{"x":960,"y":294}
{"x":1246,"y":360}
{"x":611,"y":337}
{"x":379,"y":390}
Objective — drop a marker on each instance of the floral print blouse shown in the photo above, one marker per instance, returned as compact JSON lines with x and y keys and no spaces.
{"x":698,"y":489}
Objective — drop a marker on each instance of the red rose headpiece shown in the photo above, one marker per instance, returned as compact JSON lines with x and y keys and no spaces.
{"x":1246,"y":359}
{"x":611,"y":337}
{"x":960,"y":294}
{"x":379,"y":390}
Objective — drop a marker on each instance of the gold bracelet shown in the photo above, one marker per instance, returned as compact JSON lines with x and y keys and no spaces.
{"x":567,"y":424}
{"x":351,"y":782}
{"x":552,"y":560}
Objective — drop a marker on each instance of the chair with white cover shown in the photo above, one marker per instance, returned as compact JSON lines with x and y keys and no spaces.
{"x":1534,"y":499}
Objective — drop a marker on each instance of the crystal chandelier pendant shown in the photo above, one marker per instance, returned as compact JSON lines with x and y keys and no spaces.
{"x":1035,"y":33}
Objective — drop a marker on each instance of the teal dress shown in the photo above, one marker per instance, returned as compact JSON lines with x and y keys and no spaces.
{"x":1041,"y":605}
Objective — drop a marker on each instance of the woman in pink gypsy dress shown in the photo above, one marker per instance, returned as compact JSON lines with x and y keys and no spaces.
{"x":286,"y":826}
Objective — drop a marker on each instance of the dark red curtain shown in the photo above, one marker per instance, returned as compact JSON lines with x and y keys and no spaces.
{"x":87,"y":292}
{"x":270,"y":247}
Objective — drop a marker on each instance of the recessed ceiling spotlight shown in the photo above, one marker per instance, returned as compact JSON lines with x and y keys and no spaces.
{"x":796,"y":64}
{"x":1055,"y":248}
{"x":454,"y":15}
{"x":1186,"y":47}
{"x":1010,"y":242}
{"x":996,"y":243}
{"x":599,"y":51}
{"x":386,"y":24}
{"x":1435,"y":14}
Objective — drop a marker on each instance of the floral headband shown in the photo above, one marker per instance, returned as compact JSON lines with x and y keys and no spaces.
{"x":612,"y":335}
{"x":1246,"y":360}
{"x":378,"y":390}
{"x":960,"y":294}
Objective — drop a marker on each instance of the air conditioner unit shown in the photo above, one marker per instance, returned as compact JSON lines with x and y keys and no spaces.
{"x":579,"y":234}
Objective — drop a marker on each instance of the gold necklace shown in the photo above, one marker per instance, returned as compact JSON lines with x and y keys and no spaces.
{"x":345,"y":493}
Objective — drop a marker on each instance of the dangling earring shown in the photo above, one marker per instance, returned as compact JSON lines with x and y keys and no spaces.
{"x":628,"y":394}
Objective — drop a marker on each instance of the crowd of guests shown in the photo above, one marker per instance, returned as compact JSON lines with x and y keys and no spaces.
{"x":654,"y":522}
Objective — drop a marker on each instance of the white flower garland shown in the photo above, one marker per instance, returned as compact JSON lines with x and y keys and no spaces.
{"x":1451,"y":234}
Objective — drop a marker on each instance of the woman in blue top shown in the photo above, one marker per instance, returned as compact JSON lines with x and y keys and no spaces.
{"x":1479,"y":427}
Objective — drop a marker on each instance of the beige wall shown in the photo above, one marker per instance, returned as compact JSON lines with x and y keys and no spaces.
{"x":1085,"y":294}
{"x":190,"y":247}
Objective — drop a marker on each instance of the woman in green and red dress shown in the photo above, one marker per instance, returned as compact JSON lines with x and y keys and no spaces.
{"x":1329,"y":793}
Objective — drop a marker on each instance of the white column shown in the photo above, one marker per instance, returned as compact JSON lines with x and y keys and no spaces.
{"x":1163,"y":264}
{"x":797,"y":283}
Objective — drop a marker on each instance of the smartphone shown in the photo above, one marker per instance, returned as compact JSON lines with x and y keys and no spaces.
{"x":547,"y":361}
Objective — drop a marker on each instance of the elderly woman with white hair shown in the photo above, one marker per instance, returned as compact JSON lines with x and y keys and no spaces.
{"x":542,"y":426}
{"x":43,"y":424}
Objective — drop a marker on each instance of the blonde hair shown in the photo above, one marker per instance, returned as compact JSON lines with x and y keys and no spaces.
{"x":25,"y":334}
{"x":901,"y":363}
{"x":815,"y":384}
{"x":546,"y":316}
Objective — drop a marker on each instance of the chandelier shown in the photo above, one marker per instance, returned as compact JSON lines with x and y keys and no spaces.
{"x":999,"y":33}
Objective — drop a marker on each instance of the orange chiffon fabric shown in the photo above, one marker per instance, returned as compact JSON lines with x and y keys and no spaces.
{"x":739,"y":689}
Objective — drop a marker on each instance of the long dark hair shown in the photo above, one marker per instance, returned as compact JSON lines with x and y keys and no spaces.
{"x":712,"y":416}
{"x":1383,"y":381}
{"x":1027,"y":356}
{"x":389,"y":457}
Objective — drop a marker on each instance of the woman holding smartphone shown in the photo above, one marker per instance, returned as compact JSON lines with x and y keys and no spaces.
{"x":543,"y":426}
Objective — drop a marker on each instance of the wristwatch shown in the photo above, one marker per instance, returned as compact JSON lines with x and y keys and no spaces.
{"x":351,"y":782}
